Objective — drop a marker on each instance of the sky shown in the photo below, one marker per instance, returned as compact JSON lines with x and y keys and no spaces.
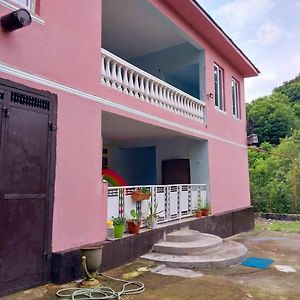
{"x":268,"y":32}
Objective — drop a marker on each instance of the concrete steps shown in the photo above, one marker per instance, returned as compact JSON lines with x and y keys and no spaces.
{"x":179,"y":246}
{"x":192,"y":249}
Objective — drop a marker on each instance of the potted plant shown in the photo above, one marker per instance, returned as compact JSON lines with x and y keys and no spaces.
{"x":152,"y":217}
{"x":119,"y":226}
{"x":141,"y":194}
{"x":134,"y":223}
{"x":198,"y":211}
{"x":205,"y":208}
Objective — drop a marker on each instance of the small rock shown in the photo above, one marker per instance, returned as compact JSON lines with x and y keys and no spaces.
{"x":284,"y":268}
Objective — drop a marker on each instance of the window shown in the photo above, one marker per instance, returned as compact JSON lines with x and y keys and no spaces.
{"x":25,"y":3}
{"x":236,"y":109}
{"x":219,"y":92}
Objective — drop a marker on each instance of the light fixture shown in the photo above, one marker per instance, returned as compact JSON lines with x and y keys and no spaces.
{"x":15,"y":20}
{"x":210,"y":95}
{"x":252,"y":139}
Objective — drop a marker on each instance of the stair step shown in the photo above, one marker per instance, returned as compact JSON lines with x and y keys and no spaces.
{"x":204,"y":243}
{"x":229,"y":254}
{"x":183,"y":236}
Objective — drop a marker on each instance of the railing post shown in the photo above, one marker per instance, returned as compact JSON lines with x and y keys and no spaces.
{"x":167,"y":202}
{"x":178,"y":200}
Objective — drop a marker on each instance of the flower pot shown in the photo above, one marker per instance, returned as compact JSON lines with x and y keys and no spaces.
{"x":119,"y":230}
{"x":133,"y":227}
{"x":205,"y":212}
{"x":140,"y":196}
{"x":198,"y":213}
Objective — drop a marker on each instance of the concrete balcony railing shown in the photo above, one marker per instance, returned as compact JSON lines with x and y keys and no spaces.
{"x":121,"y":75}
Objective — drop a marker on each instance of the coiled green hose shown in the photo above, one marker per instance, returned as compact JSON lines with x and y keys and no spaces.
{"x":102,"y":292}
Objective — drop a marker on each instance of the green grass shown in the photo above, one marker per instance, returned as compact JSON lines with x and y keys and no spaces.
{"x":285,"y":226}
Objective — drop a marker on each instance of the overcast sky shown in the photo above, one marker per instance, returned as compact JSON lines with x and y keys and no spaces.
{"x":268,"y":32}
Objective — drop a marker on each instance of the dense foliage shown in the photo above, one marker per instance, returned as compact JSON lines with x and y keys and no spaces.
{"x":275,"y":170}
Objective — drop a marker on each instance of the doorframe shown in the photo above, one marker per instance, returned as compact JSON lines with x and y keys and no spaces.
{"x":9,"y":85}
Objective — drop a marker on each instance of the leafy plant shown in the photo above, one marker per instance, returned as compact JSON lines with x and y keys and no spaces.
{"x":205,"y":204}
{"x":153,"y":214}
{"x":135,"y":215}
{"x":202,"y":204}
{"x":119,"y":221}
{"x":144,"y":189}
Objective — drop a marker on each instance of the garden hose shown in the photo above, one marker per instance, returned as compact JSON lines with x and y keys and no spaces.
{"x":102,"y":292}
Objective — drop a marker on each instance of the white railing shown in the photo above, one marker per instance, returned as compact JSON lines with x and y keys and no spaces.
{"x":174,"y":201}
{"x":121,"y":75}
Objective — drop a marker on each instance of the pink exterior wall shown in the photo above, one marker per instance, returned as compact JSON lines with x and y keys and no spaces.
{"x":66,"y":50}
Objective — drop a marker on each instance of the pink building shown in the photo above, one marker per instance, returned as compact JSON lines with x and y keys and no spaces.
{"x":152,"y":89}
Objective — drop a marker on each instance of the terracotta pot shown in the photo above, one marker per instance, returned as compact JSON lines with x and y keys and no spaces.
{"x":140,"y":196}
{"x":205,"y":212}
{"x":198,"y":213}
{"x":133,"y":227}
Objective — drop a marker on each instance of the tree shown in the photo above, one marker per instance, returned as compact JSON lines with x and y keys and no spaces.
{"x":291,"y":89}
{"x":272,"y":176}
{"x":271,"y":118}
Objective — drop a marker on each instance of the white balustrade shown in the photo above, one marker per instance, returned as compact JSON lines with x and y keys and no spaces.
{"x":173,"y":201}
{"x":119,"y":74}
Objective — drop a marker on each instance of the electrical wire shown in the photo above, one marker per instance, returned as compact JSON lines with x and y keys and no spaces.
{"x":102,"y":292}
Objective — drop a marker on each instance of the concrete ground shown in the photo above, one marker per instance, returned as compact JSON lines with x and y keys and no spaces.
{"x":237,"y":282}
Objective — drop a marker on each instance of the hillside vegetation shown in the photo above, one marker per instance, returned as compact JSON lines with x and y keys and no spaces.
{"x":275,"y":170}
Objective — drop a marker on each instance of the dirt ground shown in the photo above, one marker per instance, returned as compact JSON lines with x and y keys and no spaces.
{"x":237,"y":282}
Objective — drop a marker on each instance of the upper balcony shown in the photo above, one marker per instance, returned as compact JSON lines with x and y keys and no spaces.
{"x":146,"y":56}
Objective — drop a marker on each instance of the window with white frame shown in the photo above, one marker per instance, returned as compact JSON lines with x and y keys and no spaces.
{"x":25,"y":3}
{"x":219,"y":91}
{"x":236,"y":106}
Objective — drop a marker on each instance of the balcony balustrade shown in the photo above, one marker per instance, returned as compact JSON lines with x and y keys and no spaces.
{"x":121,"y":75}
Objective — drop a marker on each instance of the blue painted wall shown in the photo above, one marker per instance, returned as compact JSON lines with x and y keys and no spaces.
{"x":151,"y":153}
{"x":136,"y":165}
{"x":181,"y":66}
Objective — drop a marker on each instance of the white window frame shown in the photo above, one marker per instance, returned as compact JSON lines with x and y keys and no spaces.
{"x":235,"y":94}
{"x":30,"y":4}
{"x":219,"y":87}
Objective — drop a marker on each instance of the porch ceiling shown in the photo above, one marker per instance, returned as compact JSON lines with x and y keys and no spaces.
{"x":134,"y":28}
{"x":118,"y":128}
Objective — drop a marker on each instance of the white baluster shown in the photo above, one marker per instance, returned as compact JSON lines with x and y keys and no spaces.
{"x":152,"y":92}
{"x":172,"y":100}
{"x":156,"y":95}
{"x":108,"y":73}
{"x":114,"y":75}
{"x":142,"y":88}
{"x":130,"y":84}
{"x":160,"y":95}
{"x":136,"y":85}
{"x":125,"y":80}
{"x":164,"y":97}
{"x":168,"y":98}
{"x":147,"y":90}
{"x":103,"y":73}
{"x":119,"y":78}
{"x":189,"y":108}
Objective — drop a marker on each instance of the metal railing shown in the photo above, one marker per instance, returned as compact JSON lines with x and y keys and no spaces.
{"x":174,"y":201}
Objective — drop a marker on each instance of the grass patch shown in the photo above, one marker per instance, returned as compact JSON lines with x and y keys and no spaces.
{"x":273,"y":225}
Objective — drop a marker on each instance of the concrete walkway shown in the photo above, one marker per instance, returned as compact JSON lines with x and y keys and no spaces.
{"x":235,"y":282}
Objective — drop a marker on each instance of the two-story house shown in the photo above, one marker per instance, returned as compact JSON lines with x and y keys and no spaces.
{"x":151,"y":90}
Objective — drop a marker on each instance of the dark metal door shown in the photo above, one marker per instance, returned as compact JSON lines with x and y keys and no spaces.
{"x":25,"y":188}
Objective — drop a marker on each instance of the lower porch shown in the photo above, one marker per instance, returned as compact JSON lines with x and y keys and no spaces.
{"x":66,"y":265}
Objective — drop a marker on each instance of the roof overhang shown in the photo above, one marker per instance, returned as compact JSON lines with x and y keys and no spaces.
{"x":204,"y":25}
